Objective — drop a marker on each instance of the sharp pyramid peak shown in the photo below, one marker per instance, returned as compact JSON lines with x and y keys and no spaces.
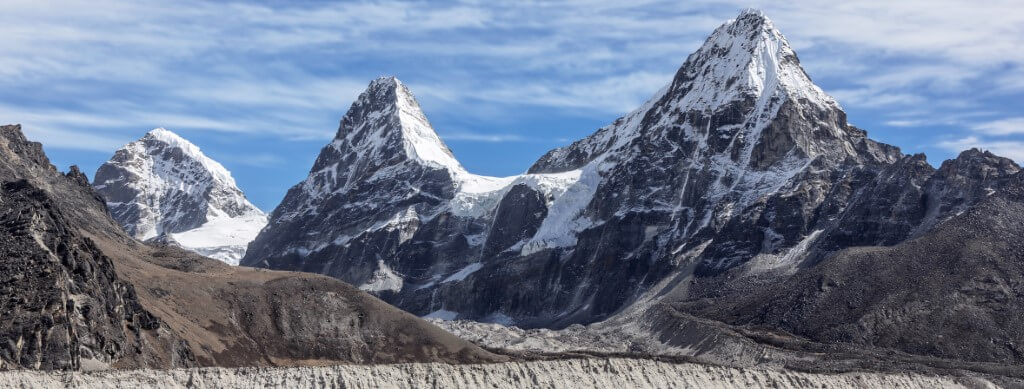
{"x":389,"y":90}
{"x":752,"y":11}
{"x":383,"y":84}
{"x":745,"y":56}
{"x":744,"y":72}
{"x":387,"y":105}
{"x":747,"y":24}
{"x":752,"y":14}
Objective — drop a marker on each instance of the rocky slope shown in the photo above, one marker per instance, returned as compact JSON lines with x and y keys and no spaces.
{"x":79,"y":293}
{"x":163,"y":188}
{"x":66,"y":307}
{"x":63,"y":304}
{"x":956,"y":292}
{"x":573,"y":373}
{"x":734,"y":180}
{"x":949,"y":299}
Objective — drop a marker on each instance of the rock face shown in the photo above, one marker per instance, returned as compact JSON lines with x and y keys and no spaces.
{"x":77,"y":292}
{"x":162,"y":187}
{"x":64,"y":305}
{"x":738,"y":175}
{"x":956,"y":292}
{"x":67,"y":309}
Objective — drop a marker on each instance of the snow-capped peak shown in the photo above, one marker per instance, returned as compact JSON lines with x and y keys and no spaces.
{"x":387,"y":113}
{"x":742,"y":74}
{"x":171,"y":139}
{"x":163,"y":186}
{"x":746,"y":56}
{"x":750,"y":12}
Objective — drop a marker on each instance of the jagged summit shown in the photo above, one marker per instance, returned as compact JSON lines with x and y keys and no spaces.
{"x":745,"y":57}
{"x":163,"y":187}
{"x":174,"y":140}
{"x":735,"y":96}
{"x":386,"y":123}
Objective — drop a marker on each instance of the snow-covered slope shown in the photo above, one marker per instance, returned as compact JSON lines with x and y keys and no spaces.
{"x":163,"y":187}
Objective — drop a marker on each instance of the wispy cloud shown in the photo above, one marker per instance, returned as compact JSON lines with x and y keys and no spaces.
{"x":1007,"y":126}
{"x":76,"y":140}
{"x":289,"y":70}
{"x":479,"y":137}
{"x":253,"y":159}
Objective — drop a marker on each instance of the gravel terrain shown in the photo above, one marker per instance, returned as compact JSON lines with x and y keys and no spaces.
{"x":571,"y":373}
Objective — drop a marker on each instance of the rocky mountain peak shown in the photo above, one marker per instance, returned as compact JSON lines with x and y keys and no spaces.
{"x":387,"y":125}
{"x":746,"y":57}
{"x":13,"y":139}
{"x":160,"y":139}
{"x":741,"y":99}
{"x":77,"y":176}
{"x":979,"y":163}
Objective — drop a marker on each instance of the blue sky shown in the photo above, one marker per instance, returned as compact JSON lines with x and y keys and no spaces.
{"x":260,"y":86}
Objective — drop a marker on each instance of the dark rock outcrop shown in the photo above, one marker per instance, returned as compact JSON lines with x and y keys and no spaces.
{"x":957,"y":292}
{"x":65,"y":307}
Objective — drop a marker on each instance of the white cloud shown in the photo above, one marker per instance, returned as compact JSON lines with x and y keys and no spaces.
{"x":480,"y":137}
{"x":253,"y":159}
{"x":76,"y":140}
{"x":618,"y":94}
{"x":289,"y":70}
{"x":874,"y":98}
{"x":906,"y":123}
{"x":1007,"y":126}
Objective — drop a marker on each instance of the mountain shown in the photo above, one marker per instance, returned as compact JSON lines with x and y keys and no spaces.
{"x":386,"y":205}
{"x":738,"y":176}
{"x":162,"y":187}
{"x":78,"y":292}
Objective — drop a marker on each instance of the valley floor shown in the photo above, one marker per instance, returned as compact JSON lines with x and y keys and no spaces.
{"x":568,"y":373}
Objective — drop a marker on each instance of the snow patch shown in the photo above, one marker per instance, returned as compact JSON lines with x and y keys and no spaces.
{"x":565,"y":220}
{"x":785,"y":262}
{"x":463,"y":273}
{"x":420,"y":140}
{"x":383,"y":279}
{"x":223,"y":238}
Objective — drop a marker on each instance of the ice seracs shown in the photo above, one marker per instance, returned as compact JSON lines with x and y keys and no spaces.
{"x":163,"y":187}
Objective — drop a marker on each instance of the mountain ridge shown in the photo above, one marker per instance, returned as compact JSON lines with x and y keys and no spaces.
{"x":738,"y":174}
{"x":566,"y":181}
{"x":80,"y":293}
